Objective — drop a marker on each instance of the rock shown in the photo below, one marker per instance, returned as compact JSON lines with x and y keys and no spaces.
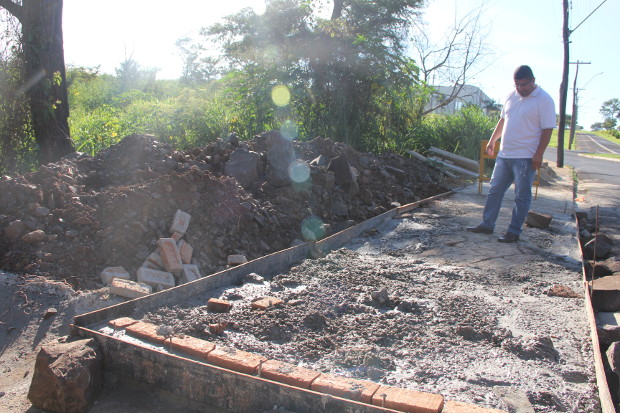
{"x":67,"y":376}
{"x":380,"y":296}
{"x":598,"y":247}
{"x":15,"y":229}
{"x":344,"y":174}
{"x":243,"y":166}
{"x":538,"y":220}
{"x":253,"y":278}
{"x":613,"y":356}
{"x":236,"y":259}
{"x":280,"y":154}
{"x":34,"y":236}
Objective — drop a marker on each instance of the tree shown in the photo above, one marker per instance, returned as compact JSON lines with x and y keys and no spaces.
{"x":42,"y":45}
{"x":610,"y":110}
{"x":346,"y":72}
{"x":452,"y":62}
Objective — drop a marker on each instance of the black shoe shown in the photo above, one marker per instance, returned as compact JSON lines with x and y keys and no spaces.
{"x":480,"y":230}
{"x":509,"y":237}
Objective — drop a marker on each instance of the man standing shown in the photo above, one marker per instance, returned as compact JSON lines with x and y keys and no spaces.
{"x":525,"y":126}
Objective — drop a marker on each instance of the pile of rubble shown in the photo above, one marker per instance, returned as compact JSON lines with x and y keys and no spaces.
{"x":72,"y":219}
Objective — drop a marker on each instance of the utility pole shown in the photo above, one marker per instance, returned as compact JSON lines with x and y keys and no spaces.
{"x":566,"y":32}
{"x":563,"y":86}
{"x":573,"y":120}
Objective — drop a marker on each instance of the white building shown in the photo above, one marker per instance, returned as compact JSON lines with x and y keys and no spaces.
{"x":467,"y":95}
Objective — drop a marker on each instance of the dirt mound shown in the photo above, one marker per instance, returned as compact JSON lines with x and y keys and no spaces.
{"x":71,"y":219}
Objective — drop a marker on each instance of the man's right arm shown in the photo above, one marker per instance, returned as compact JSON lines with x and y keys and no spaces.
{"x":497,"y":133}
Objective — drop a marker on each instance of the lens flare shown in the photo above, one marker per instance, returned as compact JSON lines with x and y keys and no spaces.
{"x":280,"y":95}
{"x":259,"y":8}
{"x":299,"y":171}
{"x":312,"y":228}
{"x":289,"y":129}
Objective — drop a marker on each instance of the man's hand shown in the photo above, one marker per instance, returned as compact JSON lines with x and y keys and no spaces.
{"x":537,"y":161}
{"x":491,"y":148}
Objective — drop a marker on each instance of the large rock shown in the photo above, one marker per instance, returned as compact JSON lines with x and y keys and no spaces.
{"x":598,"y":247}
{"x":345,"y":175}
{"x":280,"y":154}
{"x":538,"y":220}
{"x":67,"y":376}
{"x":243,"y":165}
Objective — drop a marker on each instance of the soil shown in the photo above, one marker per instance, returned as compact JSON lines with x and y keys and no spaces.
{"x":419,"y":302}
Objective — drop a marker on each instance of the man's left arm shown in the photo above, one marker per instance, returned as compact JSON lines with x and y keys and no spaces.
{"x":545,"y":137}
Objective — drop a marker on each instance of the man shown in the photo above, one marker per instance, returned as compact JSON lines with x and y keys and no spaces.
{"x":525,"y":126}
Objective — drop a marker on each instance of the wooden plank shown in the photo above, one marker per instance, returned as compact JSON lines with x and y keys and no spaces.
{"x":405,"y":208}
{"x":461,"y":161}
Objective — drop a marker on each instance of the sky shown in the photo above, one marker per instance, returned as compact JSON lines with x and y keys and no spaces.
{"x":103,"y":34}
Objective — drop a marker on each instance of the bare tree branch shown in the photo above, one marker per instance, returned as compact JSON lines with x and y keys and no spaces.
{"x":452,"y":62}
{"x":13,"y":8}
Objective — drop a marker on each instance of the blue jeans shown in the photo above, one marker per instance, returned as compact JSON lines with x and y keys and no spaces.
{"x":506,"y":172}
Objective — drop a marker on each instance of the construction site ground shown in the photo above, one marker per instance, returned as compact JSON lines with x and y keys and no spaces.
{"x":498,"y":325}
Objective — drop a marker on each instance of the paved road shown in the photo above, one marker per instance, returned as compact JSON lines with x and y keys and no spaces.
{"x":594,"y":144}
{"x":598,"y":181}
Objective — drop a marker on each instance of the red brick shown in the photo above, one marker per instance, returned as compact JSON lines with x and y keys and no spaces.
{"x":288,"y":373}
{"x":122,"y":322}
{"x":180,"y":222}
{"x":265,"y":302}
{"x":216,"y":305}
{"x":352,"y":389}
{"x":192,"y":346}
{"x":460,"y":407}
{"x":170,"y":256}
{"x":129,"y":289}
{"x":186,"y":251}
{"x":409,"y":401}
{"x":145,"y":331}
{"x":236,"y":360}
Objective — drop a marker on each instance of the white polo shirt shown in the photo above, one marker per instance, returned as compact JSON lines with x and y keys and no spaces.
{"x":524,"y":120}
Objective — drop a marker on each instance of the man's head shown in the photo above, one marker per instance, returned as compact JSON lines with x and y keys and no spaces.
{"x":524,"y":80}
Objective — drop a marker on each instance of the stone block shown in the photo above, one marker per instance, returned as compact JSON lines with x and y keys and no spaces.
{"x":288,"y":373}
{"x":264,"y":303}
{"x":406,"y":400}
{"x":236,"y":259}
{"x":155,"y":278}
{"x":237,"y":360}
{"x":538,"y":220}
{"x":180,"y":222}
{"x":190,"y":273}
{"x":109,"y":273}
{"x":170,"y":257}
{"x":216,"y":305}
{"x":34,"y":237}
{"x":608,"y":327}
{"x":606,"y":293}
{"x":352,"y":389}
{"x":186,"y":251}
{"x":613,"y":356}
{"x":129,"y":289}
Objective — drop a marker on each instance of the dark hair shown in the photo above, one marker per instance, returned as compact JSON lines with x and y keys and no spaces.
{"x":523,"y":72}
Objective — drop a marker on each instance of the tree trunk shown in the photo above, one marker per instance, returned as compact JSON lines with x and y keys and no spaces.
{"x":46,"y":87}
